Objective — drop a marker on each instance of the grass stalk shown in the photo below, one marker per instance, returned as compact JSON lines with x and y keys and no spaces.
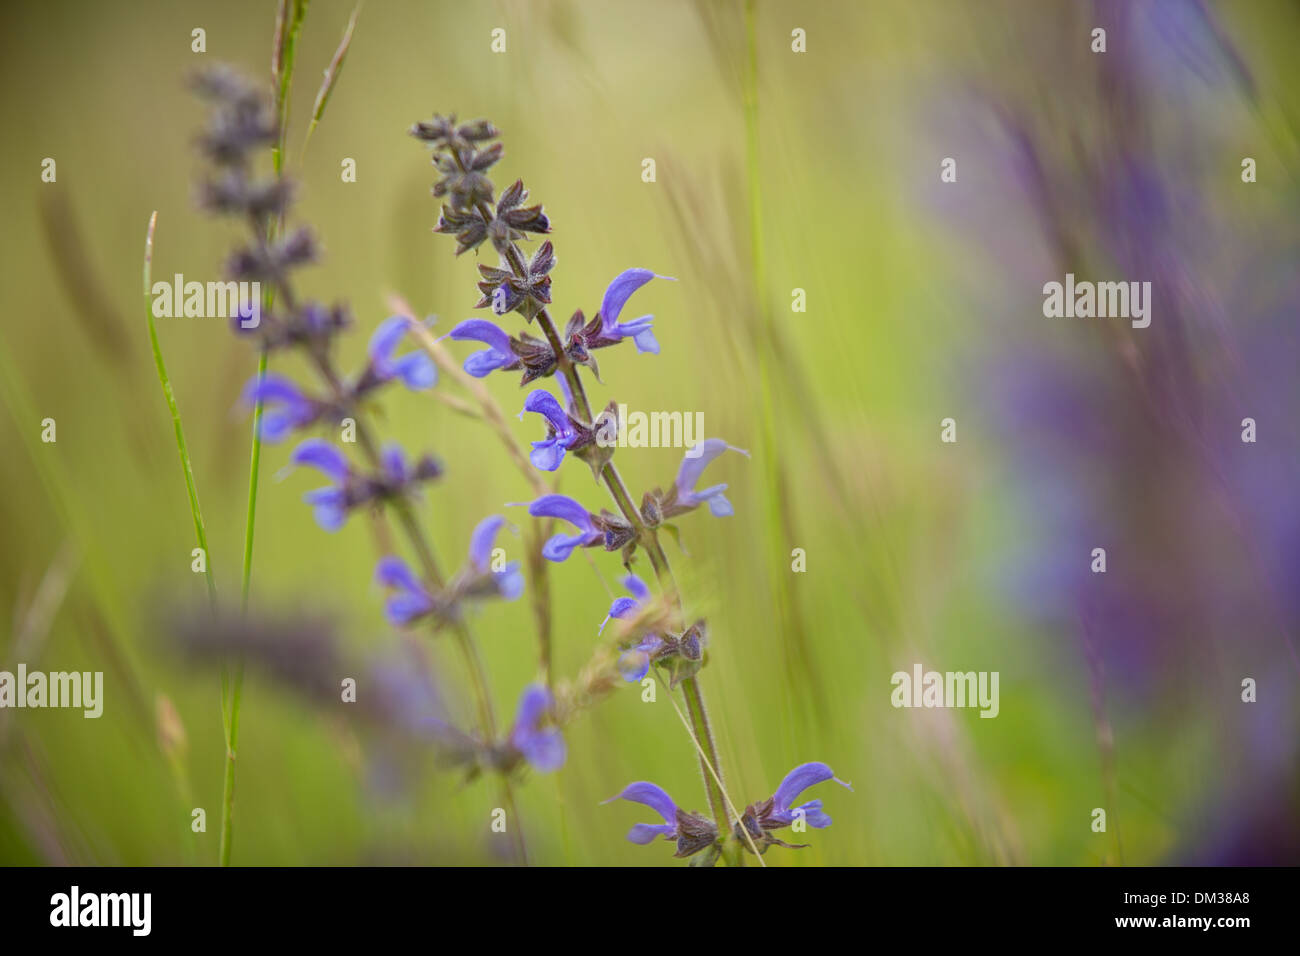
{"x":169,"y":395}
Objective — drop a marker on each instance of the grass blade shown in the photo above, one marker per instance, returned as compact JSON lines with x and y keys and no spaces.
{"x":331,"y":77}
{"x":284,"y":53}
{"x":186,"y":466}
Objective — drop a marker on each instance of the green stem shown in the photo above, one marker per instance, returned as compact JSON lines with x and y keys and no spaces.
{"x":231,"y":712}
{"x":699,"y":715}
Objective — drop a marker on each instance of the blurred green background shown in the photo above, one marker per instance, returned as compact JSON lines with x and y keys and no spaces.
{"x":906,"y":538}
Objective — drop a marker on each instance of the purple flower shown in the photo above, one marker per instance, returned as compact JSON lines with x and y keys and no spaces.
{"x":329,"y":505}
{"x":634,"y":662}
{"x":284,"y":408}
{"x":543,"y":748}
{"x":694,"y":462}
{"x":560,"y":546}
{"x":604,"y":329}
{"x":776,"y":812}
{"x":497,"y":355}
{"x":508,"y":582}
{"x":352,"y":489}
{"x":564,"y":433}
{"x":415,"y":369}
{"x":410,"y":600}
{"x":691,"y":831}
{"x":567,"y":392}
{"x":616,"y":296}
{"x":796,"y":782}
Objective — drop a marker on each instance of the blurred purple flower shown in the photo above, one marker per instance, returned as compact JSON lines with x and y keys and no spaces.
{"x":542,"y":747}
{"x":683,"y":497}
{"x":285,"y":409}
{"x":329,"y":505}
{"x":634,"y":662}
{"x":509,"y":581}
{"x":352,"y":489}
{"x":410,"y":600}
{"x":415,"y":369}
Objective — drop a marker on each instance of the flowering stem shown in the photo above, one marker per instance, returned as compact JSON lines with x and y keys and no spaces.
{"x":710,"y":765}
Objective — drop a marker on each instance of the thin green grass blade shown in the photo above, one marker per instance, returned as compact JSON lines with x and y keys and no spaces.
{"x":331,"y":77}
{"x":283,"y":55}
{"x":186,"y":465}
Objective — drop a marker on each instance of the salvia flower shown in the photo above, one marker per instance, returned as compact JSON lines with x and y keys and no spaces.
{"x":564,"y":433}
{"x":610,"y":530}
{"x":542,"y":747}
{"x":410,"y":599}
{"x":329,"y":505}
{"x":285,"y":409}
{"x":415,"y":369}
{"x":352,"y":489}
{"x":560,"y":546}
{"x":634,"y":662}
{"x":777,"y":811}
{"x":611,"y":306}
{"x":605,"y":329}
{"x":683,"y":495}
{"x":691,"y":832}
{"x":480,"y":578}
{"x":499,"y":354}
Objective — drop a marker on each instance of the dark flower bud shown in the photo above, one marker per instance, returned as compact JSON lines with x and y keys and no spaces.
{"x":485,"y":159}
{"x":270,"y":261}
{"x":535,"y":355}
{"x":232,"y":193}
{"x":651,"y":513}
{"x":513,"y":220}
{"x":506,"y":292}
{"x":465,"y":188}
{"x":427,"y":468}
{"x":616,"y":529}
{"x":477,"y":131}
{"x":468,"y":228}
{"x":691,"y":643}
{"x":242,"y":121}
